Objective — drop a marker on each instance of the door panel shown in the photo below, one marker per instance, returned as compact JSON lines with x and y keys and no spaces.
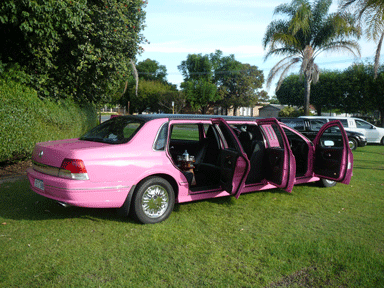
{"x":333,"y":157}
{"x":233,"y":167}
{"x":274,"y":165}
{"x":280,"y":163}
{"x":234,"y":163}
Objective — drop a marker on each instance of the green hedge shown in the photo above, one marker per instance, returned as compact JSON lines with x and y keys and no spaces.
{"x":25,"y":120}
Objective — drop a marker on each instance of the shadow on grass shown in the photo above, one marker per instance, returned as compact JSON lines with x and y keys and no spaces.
{"x":19,"y":202}
{"x":362,"y":150}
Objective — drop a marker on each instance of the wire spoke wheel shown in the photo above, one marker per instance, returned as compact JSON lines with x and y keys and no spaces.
{"x":155,"y":201}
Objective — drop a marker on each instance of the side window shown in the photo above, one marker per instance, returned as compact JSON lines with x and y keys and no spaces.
{"x":296,"y":123}
{"x":344,"y":122}
{"x":317,"y":124}
{"x":185,"y":132}
{"x":331,"y":137}
{"x":362,"y":124}
{"x":161,"y":140}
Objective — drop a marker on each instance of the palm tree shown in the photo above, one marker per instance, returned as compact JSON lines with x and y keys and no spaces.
{"x":372,"y":12}
{"x":300,"y":38}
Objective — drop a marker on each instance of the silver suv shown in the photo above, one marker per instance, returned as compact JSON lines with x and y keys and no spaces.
{"x":371,"y":132}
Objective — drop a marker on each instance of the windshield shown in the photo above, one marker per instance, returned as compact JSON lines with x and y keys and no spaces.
{"x":115,"y":131}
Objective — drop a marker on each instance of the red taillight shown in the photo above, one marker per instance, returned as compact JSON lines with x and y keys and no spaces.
{"x":73,"y":169}
{"x":73,"y":165}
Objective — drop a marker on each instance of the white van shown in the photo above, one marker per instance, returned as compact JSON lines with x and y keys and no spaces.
{"x":371,"y":132}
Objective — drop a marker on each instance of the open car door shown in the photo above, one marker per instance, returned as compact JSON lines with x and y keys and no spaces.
{"x":333,"y":157}
{"x":234,"y":163}
{"x":279,"y":162}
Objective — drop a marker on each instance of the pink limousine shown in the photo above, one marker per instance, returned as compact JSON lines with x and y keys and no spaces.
{"x":144,"y":164}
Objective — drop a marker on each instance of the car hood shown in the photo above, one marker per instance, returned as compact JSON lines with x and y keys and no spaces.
{"x":353,"y":133}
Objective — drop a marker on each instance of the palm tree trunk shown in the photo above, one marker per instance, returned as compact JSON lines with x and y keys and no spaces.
{"x":307,"y":94}
{"x":377,"y":55}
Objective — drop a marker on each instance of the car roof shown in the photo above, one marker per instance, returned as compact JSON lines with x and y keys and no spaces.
{"x":149,"y":117}
{"x":326,"y":117}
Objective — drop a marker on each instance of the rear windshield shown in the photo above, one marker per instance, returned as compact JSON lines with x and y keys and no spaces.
{"x":115,"y":131}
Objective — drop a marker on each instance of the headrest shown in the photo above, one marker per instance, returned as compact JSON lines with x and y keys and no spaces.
{"x":245,"y":136}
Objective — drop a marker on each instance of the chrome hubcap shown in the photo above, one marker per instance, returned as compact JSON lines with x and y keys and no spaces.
{"x":155,"y":201}
{"x":329,"y":181}
{"x":351,"y":145}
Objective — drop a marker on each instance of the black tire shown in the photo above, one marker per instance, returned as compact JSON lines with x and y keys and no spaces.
{"x":382,"y":141}
{"x":327,"y":183}
{"x":353,"y":143}
{"x":153,"y":200}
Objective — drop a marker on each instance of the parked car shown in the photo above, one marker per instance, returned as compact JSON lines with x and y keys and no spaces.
{"x":311,"y":126}
{"x":146,"y":163}
{"x":374,"y":135}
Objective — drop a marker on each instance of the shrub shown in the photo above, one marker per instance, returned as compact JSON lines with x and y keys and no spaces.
{"x":26,"y":119}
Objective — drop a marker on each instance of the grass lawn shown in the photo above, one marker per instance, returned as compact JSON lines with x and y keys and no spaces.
{"x":314,"y":237}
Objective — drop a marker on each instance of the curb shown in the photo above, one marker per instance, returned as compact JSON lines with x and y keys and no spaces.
{"x":12,"y":178}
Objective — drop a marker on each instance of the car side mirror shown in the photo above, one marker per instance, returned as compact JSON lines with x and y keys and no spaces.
{"x":373,"y":127}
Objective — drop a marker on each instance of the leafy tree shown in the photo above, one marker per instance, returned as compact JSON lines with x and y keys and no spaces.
{"x":80,"y":49}
{"x":200,"y":94}
{"x":147,"y":98}
{"x":290,"y":112}
{"x":377,"y":94}
{"x":307,"y":31}
{"x":177,"y":98}
{"x":198,"y":85}
{"x":327,"y":93}
{"x":237,"y":82}
{"x":291,"y":90}
{"x":196,"y":67}
{"x":263,"y":96}
{"x":274,"y":100}
{"x":356,"y":84}
{"x":371,"y":12}
{"x":154,"y":93}
{"x":363,"y":93}
{"x":151,"y":70}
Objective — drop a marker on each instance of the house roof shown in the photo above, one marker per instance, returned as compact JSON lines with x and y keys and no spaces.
{"x":277,"y":107}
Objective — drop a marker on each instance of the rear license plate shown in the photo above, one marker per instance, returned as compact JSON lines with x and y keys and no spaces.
{"x":39,"y":184}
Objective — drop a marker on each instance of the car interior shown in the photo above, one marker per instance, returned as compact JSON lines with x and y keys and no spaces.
{"x":204,"y":144}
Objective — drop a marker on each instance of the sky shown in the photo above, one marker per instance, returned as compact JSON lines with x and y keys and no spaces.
{"x":176,"y":28}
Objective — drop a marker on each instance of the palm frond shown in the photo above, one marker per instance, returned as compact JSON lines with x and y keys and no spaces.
{"x":283,"y":51}
{"x":281,"y":65}
{"x":285,"y":71}
{"x":350,"y":46}
{"x":277,"y":26}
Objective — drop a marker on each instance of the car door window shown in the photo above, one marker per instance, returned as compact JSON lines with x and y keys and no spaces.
{"x":363,"y":125}
{"x":161,"y":140}
{"x":333,"y":158}
{"x":331,"y":137}
{"x":185,"y":132}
